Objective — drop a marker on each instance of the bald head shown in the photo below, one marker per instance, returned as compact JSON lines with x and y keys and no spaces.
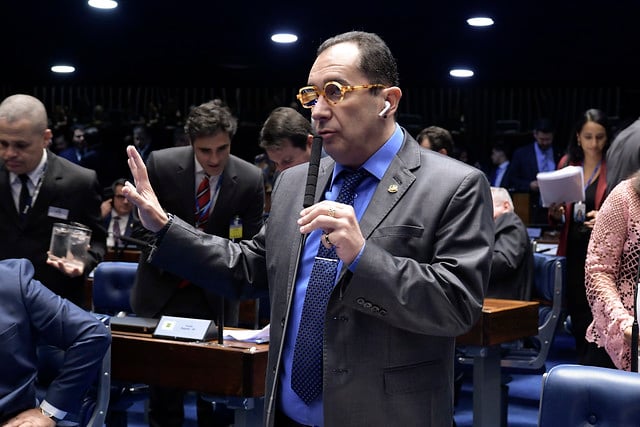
{"x":24,"y":107}
{"x":502,"y":201}
{"x":24,"y":135}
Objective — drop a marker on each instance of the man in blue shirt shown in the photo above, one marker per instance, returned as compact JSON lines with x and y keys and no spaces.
{"x":412,"y":247}
{"x":525,"y":164}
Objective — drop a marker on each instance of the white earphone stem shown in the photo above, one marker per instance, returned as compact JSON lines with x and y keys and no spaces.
{"x":382,"y":112}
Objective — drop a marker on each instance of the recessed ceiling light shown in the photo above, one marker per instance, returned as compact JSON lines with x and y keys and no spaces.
{"x":480,"y":21}
{"x":103,"y":4}
{"x":284,"y":38}
{"x":63,"y":69}
{"x":461,"y":73}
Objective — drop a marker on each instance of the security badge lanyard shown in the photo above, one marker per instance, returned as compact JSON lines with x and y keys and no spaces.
{"x":579,"y":208}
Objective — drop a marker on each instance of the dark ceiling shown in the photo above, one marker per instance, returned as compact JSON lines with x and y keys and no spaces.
{"x":226,"y":43}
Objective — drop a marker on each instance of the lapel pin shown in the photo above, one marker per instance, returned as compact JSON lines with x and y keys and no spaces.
{"x":393,"y":188}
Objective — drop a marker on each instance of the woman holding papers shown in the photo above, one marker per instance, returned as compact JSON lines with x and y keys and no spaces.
{"x":611,"y":271}
{"x":586,"y":149}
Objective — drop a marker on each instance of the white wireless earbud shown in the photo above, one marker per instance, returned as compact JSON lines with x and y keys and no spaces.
{"x":382,"y":112}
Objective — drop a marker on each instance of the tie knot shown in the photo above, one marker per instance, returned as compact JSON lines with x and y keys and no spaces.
{"x":24,"y":178}
{"x":354,"y":178}
{"x":351,"y":180}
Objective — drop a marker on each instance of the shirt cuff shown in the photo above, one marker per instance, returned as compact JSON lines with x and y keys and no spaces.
{"x":354,"y":264}
{"x":50,"y":409}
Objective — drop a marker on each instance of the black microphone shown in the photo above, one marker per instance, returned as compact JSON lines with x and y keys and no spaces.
{"x":135,"y":242}
{"x":312,"y":174}
{"x":309,"y":196}
{"x":634,"y":327}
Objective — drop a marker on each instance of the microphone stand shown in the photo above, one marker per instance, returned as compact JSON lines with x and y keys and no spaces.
{"x":309,"y":197}
{"x":634,"y":327}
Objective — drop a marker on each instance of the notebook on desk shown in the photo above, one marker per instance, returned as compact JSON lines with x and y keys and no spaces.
{"x":134,"y":324}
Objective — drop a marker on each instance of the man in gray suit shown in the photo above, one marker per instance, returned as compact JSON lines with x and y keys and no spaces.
{"x":414,"y":252}
{"x":234,"y":197}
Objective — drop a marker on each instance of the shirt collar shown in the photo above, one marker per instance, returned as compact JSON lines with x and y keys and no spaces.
{"x":36,"y":173}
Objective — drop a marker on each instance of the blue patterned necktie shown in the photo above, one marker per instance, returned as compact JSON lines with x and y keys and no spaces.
{"x":306,"y":374}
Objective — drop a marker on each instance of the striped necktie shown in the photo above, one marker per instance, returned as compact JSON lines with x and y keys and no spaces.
{"x":203,"y":202}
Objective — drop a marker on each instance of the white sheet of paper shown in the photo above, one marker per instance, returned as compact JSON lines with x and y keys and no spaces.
{"x":248,"y":335}
{"x":561,"y":186}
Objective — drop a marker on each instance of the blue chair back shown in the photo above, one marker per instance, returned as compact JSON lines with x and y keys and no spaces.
{"x":576,"y":395}
{"x":112,"y":283}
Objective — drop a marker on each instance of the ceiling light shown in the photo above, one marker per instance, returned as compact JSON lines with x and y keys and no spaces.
{"x":284,"y":38}
{"x":103,"y":4}
{"x":461,"y":73}
{"x":63,"y":69}
{"x":480,"y":21}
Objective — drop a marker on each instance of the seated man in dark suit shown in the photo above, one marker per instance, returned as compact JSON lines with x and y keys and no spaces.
{"x":31,"y":314}
{"x":119,"y":217}
{"x":512,"y":262}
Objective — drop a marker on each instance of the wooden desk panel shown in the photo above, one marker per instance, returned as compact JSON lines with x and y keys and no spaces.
{"x":127,"y":255}
{"x":206,"y":367}
{"x":501,"y":321}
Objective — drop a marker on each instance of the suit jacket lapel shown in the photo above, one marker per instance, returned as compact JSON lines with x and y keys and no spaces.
{"x":6,"y":198}
{"x":185,"y":174}
{"x":229,"y":180}
{"x":50,"y":181}
{"x":391,"y":188}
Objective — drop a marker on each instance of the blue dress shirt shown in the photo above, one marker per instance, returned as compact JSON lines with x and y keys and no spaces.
{"x":376,"y":165}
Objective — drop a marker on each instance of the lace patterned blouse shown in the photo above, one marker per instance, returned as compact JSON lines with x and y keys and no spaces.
{"x":610,"y":271}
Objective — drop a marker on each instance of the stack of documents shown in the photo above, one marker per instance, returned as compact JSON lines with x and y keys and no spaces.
{"x":564,"y":185}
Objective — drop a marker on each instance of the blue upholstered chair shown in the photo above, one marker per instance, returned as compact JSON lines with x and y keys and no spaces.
{"x":576,"y":395}
{"x":549,"y":279}
{"x":112,"y":283}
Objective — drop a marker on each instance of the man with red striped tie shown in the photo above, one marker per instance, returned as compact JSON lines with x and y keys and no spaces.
{"x":205,"y":185}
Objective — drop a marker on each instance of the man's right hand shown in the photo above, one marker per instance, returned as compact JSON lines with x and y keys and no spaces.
{"x":152,"y":216}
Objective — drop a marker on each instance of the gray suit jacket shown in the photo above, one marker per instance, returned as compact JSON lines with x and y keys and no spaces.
{"x":172,"y":175}
{"x":623,"y":156}
{"x":512,"y":264}
{"x":390,"y":326}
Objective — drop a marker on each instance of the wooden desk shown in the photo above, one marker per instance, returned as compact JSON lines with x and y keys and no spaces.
{"x":501,"y":321}
{"x":127,"y":255}
{"x":234,"y":373}
{"x":237,"y":374}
